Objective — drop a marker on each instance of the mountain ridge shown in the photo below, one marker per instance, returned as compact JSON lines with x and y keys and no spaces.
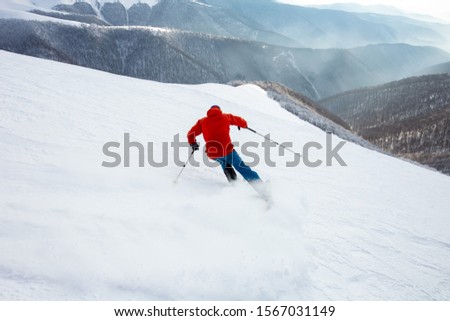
{"x":284,"y":25}
{"x":312,"y":72}
{"x":409,"y":117}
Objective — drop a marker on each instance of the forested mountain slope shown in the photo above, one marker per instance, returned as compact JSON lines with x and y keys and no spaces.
{"x":410,"y":118}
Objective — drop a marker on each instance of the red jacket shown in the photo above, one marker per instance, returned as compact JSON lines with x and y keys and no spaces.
{"x":215,"y":128}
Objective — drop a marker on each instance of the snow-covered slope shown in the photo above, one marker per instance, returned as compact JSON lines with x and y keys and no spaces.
{"x":72,"y":229}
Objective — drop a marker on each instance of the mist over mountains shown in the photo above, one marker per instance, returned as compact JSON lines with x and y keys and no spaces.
{"x":378,"y":9}
{"x":276,"y":23}
{"x":443,"y":68}
{"x":187,"y":57}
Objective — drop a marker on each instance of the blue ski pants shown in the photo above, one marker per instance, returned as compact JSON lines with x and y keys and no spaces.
{"x":235,"y":160}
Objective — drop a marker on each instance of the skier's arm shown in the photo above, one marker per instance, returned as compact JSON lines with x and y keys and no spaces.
{"x":237,"y":121}
{"x":194,"y":132}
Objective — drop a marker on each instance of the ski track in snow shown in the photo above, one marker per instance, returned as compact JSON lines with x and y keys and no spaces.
{"x":72,"y":229}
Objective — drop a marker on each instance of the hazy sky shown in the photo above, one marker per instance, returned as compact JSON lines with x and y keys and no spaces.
{"x":437,"y":8}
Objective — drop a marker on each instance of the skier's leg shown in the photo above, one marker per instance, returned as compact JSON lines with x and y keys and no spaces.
{"x":230,"y":172}
{"x":250,"y":175}
{"x":227,"y":169}
{"x":234,"y":159}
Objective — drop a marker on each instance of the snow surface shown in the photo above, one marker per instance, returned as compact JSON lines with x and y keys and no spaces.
{"x":377,"y":229}
{"x":19,"y":9}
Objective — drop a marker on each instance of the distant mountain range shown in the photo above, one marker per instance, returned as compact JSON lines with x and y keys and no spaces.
{"x":318,"y":28}
{"x":275,"y":23}
{"x":409,"y":118}
{"x":187,"y":57}
{"x":315,"y":73}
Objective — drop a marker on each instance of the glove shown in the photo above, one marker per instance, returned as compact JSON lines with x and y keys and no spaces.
{"x":195,"y":146}
{"x":244,"y":125}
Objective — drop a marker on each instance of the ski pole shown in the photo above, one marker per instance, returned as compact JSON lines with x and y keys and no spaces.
{"x":281,"y":145}
{"x":184,"y":166}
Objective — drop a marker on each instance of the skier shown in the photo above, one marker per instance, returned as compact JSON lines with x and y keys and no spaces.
{"x":215,"y":128}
